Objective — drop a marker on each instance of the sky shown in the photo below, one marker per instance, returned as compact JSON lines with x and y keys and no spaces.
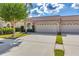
{"x":54,"y":9}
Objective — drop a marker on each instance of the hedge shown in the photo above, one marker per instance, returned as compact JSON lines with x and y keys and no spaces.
{"x":59,"y":39}
{"x":6,"y":30}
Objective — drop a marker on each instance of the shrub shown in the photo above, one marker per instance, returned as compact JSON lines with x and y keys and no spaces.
{"x":59,"y":39}
{"x":6,"y":30}
{"x":59,"y":52}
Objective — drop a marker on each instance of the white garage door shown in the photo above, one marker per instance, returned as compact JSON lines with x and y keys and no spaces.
{"x":46,"y":28}
{"x":70,"y":28}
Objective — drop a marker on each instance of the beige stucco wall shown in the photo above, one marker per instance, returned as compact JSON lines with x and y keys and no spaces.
{"x":56,"y":23}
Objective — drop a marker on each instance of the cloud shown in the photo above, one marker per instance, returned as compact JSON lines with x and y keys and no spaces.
{"x":59,"y":7}
{"x":35,"y":12}
{"x":42,"y":9}
{"x":75,"y":5}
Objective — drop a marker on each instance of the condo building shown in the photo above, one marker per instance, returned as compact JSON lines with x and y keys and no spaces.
{"x":54,"y":24}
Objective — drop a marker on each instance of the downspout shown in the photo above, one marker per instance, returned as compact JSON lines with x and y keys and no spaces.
{"x":60,"y":24}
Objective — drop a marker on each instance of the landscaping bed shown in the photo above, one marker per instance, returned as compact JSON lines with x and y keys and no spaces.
{"x":59,"y":47}
{"x":17,"y":35}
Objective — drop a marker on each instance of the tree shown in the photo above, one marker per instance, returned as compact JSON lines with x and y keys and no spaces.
{"x":13,"y":12}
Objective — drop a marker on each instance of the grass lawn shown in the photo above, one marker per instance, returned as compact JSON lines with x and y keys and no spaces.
{"x":18,"y":34}
{"x":59,"y":39}
{"x":59,"y":52}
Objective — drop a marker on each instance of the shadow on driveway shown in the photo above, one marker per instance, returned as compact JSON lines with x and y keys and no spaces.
{"x":67,"y":33}
{"x":5,"y":46}
{"x":35,"y":33}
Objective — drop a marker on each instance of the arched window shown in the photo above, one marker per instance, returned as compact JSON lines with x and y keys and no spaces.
{"x":8,"y":25}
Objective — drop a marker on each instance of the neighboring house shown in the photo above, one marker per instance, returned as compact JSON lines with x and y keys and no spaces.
{"x":2,"y":24}
{"x":5,"y":24}
{"x":54,"y":24}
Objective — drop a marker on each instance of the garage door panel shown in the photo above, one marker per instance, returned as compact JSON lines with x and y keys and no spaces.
{"x":46,"y":28}
{"x":70,"y":28}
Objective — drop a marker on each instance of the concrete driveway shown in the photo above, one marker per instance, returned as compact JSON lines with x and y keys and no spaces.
{"x":34,"y":45}
{"x":71,"y":44}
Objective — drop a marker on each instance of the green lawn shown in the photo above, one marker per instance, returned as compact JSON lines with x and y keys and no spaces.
{"x":18,"y":34}
{"x":59,"y":52}
{"x":59,"y":39}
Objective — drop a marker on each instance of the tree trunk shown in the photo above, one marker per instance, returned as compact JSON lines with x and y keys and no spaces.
{"x":13,"y":30}
{"x":13,"y":26}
